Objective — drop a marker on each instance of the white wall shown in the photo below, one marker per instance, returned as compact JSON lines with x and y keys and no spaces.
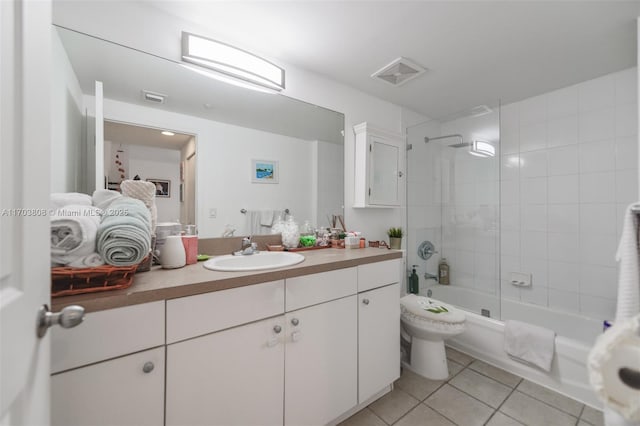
{"x":188,"y":159}
{"x":66,"y":121}
{"x":97,"y":18}
{"x":569,"y":170}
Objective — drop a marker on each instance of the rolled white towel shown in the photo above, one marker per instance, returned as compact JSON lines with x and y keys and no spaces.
{"x":140,"y":190}
{"x":62,"y":199}
{"x":73,"y":233}
{"x":89,"y":261}
{"x":102,"y":198}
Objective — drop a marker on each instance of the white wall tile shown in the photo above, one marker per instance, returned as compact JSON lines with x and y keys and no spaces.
{"x":626,"y":86}
{"x":509,"y":291}
{"x":597,"y":307}
{"x":509,"y":140}
{"x":510,"y":192}
{"x":510,"y":242}
{"x":534,"y":295}
{"x":565,"y":301}
{"x":597,"y":156}
{"x":563,"y":160}
{"x":562,"y":131}
{"x":563,"y":247}
{"x":533,"y":110}
{"x":533,"y":246}
{"x":533,"y":136}
{"x":465,"y":193}
{"x":487,"y":193}
{"x":564,"y":189}
{"x":597,"y":187}
{"x":485,"y":265}
{"x":533,"y":164}
{"x":626,"y":153}
{"x":596,"y":125}
{"x":562,"y":102}
{"x":510,"y":216}
{"x":600,"y":218}
{"x":563,"y":218}
{"x":599,"y":281}
{"x":626,"y":186}
{"x":626,"y":120}
{"x":621,"y":211}
{"x":510,"y":167}
{"x":533,"y":190}
{"x":509,"y":264}
{"x":534,"y":217}
{"x":598,"y":249}
{"x":564,"y":276}
{"x":596,"y":93}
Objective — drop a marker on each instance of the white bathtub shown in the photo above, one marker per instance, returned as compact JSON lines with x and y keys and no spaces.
{"x":484,"y":337}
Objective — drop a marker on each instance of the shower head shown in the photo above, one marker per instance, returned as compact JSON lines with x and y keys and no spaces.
{"x":479,"y":147}
{"x":460,"y":145}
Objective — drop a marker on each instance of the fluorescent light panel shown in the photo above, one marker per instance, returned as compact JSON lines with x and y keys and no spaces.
{"x":231,"y":61}
{"x":482,"y":148}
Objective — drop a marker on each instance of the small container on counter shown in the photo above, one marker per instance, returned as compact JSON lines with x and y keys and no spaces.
{"x":190,"y":243}
{"x":173,"y":254}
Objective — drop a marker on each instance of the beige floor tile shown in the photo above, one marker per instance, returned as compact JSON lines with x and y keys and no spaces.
{"x":592,"y":416}
{"x":583,"y":423}
{"x":454,"y":368}
{"x":459,"y":357}
{"x":422,"y":416}
{"x":500,"y":419}
{"x":459,"y":407}
{"x":416,"y":385}
{"x":393,"y":405}
{"x":552,"y":398}
{"x":532,"y":412}
{"x":364,"y":417}
{"x":487,"y":390}
{"x":495,"y":373}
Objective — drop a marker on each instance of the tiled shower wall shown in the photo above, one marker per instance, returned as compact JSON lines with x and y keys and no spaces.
{"x":569,"y":168}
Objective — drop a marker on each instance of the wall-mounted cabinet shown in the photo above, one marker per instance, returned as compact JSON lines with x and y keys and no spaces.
{"x":378,"y":167}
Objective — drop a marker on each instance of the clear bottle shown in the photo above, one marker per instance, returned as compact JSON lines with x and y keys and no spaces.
{"x":443,"y":272}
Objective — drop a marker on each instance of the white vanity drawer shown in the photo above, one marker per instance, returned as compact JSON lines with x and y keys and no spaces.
{"x":312,"y":289}
{"x":374,"y":275}
{"x":108,"y":334}
{"x":205,"y":313}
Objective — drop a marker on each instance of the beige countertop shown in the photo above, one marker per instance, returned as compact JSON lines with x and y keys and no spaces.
{"x":163,"y":284}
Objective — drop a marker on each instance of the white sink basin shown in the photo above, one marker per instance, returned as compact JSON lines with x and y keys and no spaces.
{"x":253,"y":262}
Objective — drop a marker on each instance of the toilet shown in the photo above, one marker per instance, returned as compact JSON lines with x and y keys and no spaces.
{"x":429,"y":322}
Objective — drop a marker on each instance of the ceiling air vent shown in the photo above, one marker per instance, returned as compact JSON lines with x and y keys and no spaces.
{"x":479,"y":110}
{"x":153,"y":97}
{"x":399,"y":72}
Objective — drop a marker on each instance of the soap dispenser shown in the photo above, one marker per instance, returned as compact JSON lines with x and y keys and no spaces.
{"x":414,"y":281}
{"x":443,"y":271}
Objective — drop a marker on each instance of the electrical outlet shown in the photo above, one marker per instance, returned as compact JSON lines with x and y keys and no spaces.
{"x":213,"y":213}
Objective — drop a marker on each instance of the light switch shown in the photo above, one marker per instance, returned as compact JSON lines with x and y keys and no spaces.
{"x":213,"y":213}
{"x":519,"y":279}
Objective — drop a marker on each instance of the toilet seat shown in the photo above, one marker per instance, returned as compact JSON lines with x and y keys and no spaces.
{"x":413,"y":310}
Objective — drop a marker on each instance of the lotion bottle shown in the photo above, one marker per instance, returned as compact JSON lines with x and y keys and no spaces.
{"x":443,"y":272}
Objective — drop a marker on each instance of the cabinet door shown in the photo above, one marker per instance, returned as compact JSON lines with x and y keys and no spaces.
{"x":122,"y":391}
{"x":232,"y":377}
{"x":321,"y":362}
{"x":384,"y":172}
{"x":379,"y":339}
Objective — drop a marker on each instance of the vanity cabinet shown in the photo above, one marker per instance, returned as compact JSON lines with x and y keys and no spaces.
{"x":378,"y":167}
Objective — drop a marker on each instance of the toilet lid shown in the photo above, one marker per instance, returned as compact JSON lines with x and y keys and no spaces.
{"x":432,"y":309}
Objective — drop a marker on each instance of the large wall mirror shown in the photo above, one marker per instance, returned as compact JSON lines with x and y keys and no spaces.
{"x":237,"y":155}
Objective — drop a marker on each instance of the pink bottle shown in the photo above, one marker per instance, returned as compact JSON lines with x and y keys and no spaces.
{"x":190,"y":243}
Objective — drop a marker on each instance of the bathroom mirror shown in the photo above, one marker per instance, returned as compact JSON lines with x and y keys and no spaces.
{"x":236,"y":130}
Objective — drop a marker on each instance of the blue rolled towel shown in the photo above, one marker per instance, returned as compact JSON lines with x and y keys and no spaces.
{"x":124,"y":235}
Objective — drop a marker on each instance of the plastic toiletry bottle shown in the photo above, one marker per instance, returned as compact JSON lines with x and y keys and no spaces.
{"x":443,"y":272}
{"x":414,"y":281}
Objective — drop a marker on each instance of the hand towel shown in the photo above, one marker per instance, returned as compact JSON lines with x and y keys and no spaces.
{"x":529,"y":344}
{"x":73,"y":233}
{"x":89,"y":261}
{"x":628,"y":256}
{"x":102,"y":198}
{"x":266,"y":218}
{"x":124,"y":235}
{"x":61,"y":199}
{"x":145,"y":192}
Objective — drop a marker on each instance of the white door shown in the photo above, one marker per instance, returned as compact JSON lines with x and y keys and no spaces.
{"x":321,"y":356}
{"x":25,"y":138}
{"x":99,"y":138}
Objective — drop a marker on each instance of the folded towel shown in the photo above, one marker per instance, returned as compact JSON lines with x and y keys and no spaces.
{"x":628,"y":256}
{"x":102,"y":198}
{"x":90,"y":261}
{"x":145,"y":192}
{"x":124,"y":235}
{"x":73,"y":233}
{"x":266,"y":218}
{"x":62,"y":199}
{"x":529,"y":344}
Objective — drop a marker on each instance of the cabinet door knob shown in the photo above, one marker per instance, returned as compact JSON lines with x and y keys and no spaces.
{"x":295,"y":321}
{"x":365,"y":301}
{"x":277,"y":329}
{"x":148,"y":367}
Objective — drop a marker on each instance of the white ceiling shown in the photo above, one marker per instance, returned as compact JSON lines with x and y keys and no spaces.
{"x":476,"y":52}
{"x":146,"y":136}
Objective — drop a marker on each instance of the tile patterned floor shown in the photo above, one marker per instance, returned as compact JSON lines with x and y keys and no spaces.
{"x":475,"y":394}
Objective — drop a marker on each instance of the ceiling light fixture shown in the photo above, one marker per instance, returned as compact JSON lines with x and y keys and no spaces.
{"x":167,"y":133}
{"x":481,"y":148}
{"x":231,"y":62}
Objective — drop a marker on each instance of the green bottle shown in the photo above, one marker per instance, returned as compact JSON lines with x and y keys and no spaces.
{"x":414,"y":281}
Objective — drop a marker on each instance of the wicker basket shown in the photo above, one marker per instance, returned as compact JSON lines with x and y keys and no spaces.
{"x":66,"y":281}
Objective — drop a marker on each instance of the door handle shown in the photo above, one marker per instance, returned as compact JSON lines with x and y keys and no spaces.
{"x":69,"y":317}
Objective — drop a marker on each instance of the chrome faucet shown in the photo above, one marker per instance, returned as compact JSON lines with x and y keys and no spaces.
{"x":428,"y":276}
{"x":247,"y":248}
